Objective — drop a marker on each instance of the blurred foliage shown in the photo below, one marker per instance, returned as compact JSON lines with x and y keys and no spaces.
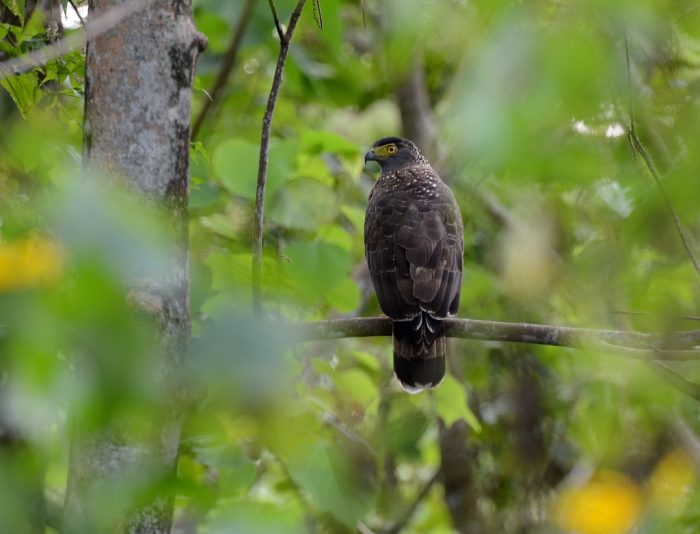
{"x":563,"y":225}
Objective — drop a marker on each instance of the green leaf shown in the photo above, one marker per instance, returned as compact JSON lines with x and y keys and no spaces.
{"x":203,"y":195}
{"x":16,"y":7}
{"x":215,"y":28}
{"x":451,"y":403}
{"x":355,"y":384}
{"x":334,"y":482}
{"x":252,"y":516}
{"x":236,"y":472}
{"x":235,"y":163}
{"x":302,"y":203}
{"x":317,"y":266}
{"x":24,"y":90}
{"x":345,"y":297}
{"x":407,"y":424}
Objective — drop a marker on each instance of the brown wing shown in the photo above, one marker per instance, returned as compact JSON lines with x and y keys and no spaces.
{"x":414,"y":249}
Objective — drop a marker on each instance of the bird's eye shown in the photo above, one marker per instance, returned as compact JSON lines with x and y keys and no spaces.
{"x":391,"y":149}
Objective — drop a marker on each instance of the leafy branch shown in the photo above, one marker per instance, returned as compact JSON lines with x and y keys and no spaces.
{"x":285,"y":40}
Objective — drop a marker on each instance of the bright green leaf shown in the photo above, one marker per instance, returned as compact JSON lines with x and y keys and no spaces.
{"x":451,"y":403}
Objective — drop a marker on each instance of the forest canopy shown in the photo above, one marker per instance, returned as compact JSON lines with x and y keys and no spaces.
{"x":566,"y":131}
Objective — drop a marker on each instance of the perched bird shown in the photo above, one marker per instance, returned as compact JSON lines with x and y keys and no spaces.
{"x":414,"y":245}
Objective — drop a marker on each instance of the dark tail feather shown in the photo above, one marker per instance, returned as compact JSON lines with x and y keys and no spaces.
{"x":419,"y":352}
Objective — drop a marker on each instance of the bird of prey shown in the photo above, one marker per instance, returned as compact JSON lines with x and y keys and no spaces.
{"x":414,"y":245}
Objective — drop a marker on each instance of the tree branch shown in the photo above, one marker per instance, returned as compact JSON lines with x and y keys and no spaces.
{"x":94,"y":28}
{"x":227,"y":65}
{"x":285,"y":40}
{"x":679,"y":345}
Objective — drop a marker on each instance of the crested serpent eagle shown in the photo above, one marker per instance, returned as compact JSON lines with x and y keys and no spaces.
{"x":414,"y":244}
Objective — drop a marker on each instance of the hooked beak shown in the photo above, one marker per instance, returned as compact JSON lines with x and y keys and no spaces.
{"x":370,"y":156}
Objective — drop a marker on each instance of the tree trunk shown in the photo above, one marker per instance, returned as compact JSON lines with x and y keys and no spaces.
{"x":137,"y":126}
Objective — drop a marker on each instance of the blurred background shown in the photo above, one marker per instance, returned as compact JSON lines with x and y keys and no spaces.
{"x":525,"y":109}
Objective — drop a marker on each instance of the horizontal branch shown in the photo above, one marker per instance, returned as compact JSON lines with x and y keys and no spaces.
{"x":679,"y":345}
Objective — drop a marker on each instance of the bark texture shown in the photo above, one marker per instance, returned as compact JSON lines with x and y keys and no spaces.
{"x":137,"y":126}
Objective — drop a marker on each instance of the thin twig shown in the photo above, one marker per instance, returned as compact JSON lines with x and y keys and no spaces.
{"x":94,"y":28}
{"x":227,"y":65}
{"x":75,"y":8}
{"x":638,"y":148}
{"x":278,"y":24}
{"x":408,"y":514}
{"x":285,"y":40}
{"x":680,"y":345}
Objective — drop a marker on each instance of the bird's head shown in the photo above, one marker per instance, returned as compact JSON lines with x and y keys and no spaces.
{"x":394,"y":153}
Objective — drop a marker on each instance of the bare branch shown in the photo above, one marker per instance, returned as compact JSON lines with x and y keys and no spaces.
{"x":227,"y":65}
{"x":278,"y":24}
{"x":639,"y":345}
{"x":264,"y":146}
{"x":94,"y":28}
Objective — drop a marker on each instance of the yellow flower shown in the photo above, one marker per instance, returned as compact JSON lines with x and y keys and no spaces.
{"x":671,"y":482}
{"x":608,"y":503}
{"x":28,"y":262}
